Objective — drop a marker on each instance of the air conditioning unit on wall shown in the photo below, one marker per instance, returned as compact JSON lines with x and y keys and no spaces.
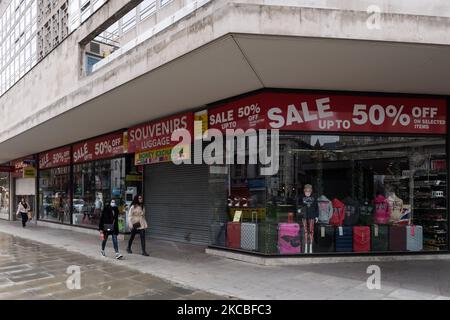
{"x":93,"y":48}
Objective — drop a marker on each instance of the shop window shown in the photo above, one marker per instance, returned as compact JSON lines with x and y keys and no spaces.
{"x":95,"y":184}
{"x":368,"y":194}
{"x":4,"y":194}
{"x":54,"y":202}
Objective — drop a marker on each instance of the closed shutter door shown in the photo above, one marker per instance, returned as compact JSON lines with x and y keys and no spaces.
{"x":176,"y":202}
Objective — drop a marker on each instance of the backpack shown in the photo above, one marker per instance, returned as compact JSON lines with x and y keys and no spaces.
{"x":325,"y":209}
{"x":351,"y":212}
{"x":337,"y":218}
{"x":382,"y":210}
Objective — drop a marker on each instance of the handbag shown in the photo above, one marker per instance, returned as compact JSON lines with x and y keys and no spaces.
{"x":136,"y":225}
{"x":30,"y":215}
{"x":109,"y":227}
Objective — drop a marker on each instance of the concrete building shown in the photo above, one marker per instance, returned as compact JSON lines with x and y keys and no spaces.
{"x":77,"y":69}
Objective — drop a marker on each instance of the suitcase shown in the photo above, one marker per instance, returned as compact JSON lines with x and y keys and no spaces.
{"x":324,"y":238}
{"x":234,"y":235}
{"x":380,"y":237}
{"x":361,"y":239}
{"x":414,"y":238}
{"x":289,"y":238}
{"x":397,"y":238}
{"x":344,"y":239}
{"x":268,"y":238}
{"x":218,"y":232}
{"x":249,"y":234}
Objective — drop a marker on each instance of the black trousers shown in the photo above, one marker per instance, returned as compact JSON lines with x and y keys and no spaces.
{"x":24,"y":218}
{"x":142,"y":236}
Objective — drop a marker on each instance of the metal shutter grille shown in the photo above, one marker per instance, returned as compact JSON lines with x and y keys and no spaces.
{"x":176,"y":202}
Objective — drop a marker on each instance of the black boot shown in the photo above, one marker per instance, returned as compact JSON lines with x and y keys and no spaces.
{"x":144,"y":253}
{"x":130,"y":242}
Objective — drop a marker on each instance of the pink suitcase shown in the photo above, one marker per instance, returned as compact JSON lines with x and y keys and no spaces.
{"x":289,"y":238}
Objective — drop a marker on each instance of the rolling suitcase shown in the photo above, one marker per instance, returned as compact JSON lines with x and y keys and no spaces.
{"x":361,"y":239}
{"x":249,"y":234}
{"x":324,"y":238}
{"x":380,"y":237}
{"x":218,"y":234}
{"x":397,"y":238}
{"x":344,"y":239}
{"x":289,"y":238}
{"x":234,"y":235}
{"x":414,"y":238}
{"x":268,"y":238}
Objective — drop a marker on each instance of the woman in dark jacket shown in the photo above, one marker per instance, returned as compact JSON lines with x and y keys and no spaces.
{"x":109,"y":225}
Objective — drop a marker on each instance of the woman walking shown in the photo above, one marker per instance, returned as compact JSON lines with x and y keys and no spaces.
{"x":22,"y":210}
{"x":109,"y":226}
{"x":137,"y":223}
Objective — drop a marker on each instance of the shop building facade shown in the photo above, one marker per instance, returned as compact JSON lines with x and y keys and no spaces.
{"x":361,"y":113}
{"x":376,"y":163}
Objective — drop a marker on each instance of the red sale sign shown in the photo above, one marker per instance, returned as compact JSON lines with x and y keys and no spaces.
{"x":99,"y":148}
{"x":332,"y":113}
{"x":157,"y":134}
{"x":55,"y":158}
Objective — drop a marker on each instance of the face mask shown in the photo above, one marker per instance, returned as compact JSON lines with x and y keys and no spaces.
{"x":113,"y":204}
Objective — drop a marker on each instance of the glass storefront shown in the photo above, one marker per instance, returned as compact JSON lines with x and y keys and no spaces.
{"x":54,"y":195}
{"x":94,"y":184}
{"x":4,"y":195}
{"x":341,"y":193}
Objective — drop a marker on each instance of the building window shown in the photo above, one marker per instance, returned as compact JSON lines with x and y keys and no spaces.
{"x":90,"y":62}
{"x":129,"y":21}
{"x":147,"y":8}
{"x":165,"y":2}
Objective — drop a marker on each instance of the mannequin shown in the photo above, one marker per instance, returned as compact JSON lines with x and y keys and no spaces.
{"x":308,"y":209}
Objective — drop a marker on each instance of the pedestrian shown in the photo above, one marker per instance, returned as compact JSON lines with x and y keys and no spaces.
{"x":23,"y":209}
{"x":109,"y":227}
{"x":137,"y":223}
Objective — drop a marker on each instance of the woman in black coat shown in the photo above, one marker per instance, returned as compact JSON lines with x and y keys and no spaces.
{"x":109,"y":225}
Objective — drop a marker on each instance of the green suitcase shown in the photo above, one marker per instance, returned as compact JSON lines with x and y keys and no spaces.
{"x":380,"y":237}
{"x":268,"y":238}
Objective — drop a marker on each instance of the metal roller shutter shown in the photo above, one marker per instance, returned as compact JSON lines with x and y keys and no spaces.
{"x":176,"y":202}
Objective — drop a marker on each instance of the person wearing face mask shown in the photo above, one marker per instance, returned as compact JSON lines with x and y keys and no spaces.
{"x":109,"y":226}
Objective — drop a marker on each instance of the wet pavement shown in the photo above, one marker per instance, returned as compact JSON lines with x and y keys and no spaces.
{"x":31,"y":270}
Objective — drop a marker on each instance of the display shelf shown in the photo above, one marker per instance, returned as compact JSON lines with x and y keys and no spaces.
{"x":434,"y":232}
{"x":428,"y":198}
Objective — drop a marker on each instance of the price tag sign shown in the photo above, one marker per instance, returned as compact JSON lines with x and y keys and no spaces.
{"x":237,"y":216}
